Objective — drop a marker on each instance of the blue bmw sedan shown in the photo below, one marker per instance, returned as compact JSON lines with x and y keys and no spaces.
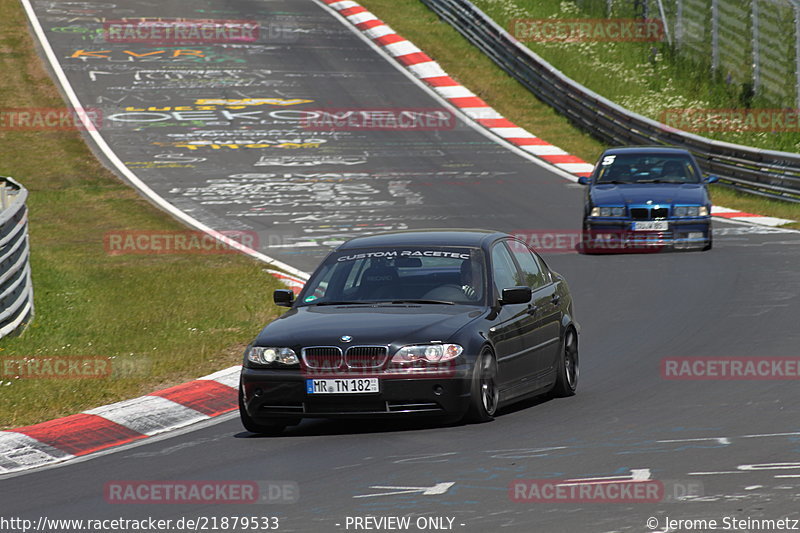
{"x":647,"y":197}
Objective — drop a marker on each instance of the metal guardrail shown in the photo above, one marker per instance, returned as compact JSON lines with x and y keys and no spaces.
{"x":16,"y":289}
{"x":764,"y":172}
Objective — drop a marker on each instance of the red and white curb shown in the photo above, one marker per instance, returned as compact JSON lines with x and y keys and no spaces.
{"x":733,"y":214}
{"x":119,"y":423}
{"x":293,"y":282}
{"x":430,"y":72}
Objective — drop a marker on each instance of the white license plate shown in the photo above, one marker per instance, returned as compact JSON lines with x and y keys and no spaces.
{"x":651,"y":225}
{"x":342,"y":386}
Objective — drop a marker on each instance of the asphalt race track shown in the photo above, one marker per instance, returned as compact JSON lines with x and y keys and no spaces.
{"x":734,"y":446}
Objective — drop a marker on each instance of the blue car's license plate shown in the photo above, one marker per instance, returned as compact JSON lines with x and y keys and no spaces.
{"x":651,"y":225}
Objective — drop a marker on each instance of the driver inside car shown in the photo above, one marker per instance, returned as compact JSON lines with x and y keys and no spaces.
{"x":470,"y":280}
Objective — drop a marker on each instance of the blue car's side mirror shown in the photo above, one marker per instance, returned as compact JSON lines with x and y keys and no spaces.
{"x":583,"y":180}
{"x":712,"y":179}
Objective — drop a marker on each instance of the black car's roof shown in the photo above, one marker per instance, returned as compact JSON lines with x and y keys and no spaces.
{"x":427,"y":237}
{"x":644,"y":149}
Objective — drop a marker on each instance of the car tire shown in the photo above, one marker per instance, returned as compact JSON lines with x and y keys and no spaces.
{"x":710,"y":242}
{"x":585,"y":246}
{"x":252,"y":426}
{"x":588,"y":244}
{"x":484,"y":395}
{"x":567,"y":371}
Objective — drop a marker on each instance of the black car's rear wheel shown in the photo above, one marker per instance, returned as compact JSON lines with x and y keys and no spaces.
{"x":567,"y":370}
{"x":272,"y":428}
{"x":484,"y":395}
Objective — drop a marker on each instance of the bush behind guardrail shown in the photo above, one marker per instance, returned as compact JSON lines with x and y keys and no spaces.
{"x":16,"y":288}
{"x":765,"y":172}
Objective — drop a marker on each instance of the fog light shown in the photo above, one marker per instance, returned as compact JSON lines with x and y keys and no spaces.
{"x":438,"y":390}
{"x":258,"y":392}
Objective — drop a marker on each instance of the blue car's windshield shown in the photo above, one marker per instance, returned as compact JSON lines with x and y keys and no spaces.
{"x":425,"y":275}
{"x":647,"y":168}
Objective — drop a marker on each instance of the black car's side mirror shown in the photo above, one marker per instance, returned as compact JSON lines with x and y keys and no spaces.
{"x":515,"y":295}
{"x":585,"y":180}
{"x":283,"y":297}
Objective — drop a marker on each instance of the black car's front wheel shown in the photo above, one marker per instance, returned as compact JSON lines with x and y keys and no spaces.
{"x":567,"y":371}
{"x":484,"y":395}
{"x":275,"y":428}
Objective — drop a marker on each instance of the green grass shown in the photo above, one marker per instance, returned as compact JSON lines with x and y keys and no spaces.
{"x":472,"y":68}
{"x":163,"y":318}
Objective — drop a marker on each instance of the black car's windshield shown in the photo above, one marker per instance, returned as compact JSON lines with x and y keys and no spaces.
{"x":647,"y":168}
{"x":430,"y":275}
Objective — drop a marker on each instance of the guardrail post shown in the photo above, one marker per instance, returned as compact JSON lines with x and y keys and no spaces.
{"x":714,"y":35}
{"x":796,"y":5}
{"x":665,"y":22}
{"x":756,"y":49}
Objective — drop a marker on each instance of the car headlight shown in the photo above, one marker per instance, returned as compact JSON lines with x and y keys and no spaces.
{"x":691,"y":211}
{"x":608,"y":212}
{"x":432,"y":353}
{"x":270,"y":355}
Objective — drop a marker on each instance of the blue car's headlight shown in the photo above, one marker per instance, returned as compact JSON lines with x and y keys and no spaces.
{"x":269,"y":355}
{"x":691,"y":211}
{"x":615,"y":211}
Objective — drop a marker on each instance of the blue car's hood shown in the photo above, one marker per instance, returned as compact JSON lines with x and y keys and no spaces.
{"x":659,"y":193}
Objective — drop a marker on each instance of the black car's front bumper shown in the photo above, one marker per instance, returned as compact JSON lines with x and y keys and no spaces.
{"x":618,"y":233}
{"x":273,"y":394}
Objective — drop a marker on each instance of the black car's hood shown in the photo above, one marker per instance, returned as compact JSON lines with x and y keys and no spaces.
{"x":367,"y":324}
{"x":663,"y":193}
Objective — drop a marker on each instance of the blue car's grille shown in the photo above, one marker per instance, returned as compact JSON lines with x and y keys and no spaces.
{"x":649,"y":213}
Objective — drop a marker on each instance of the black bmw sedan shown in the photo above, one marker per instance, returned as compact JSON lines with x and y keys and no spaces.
{"x":448,"y":323}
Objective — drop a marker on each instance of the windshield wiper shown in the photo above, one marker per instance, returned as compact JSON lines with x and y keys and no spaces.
{"x":615,"y":182}
{"x":422,"y":302}
{"x":661,"y":181}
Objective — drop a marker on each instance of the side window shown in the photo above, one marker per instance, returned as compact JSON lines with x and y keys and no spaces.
{"x":504,"y":271}
{"x":532,"y":274}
